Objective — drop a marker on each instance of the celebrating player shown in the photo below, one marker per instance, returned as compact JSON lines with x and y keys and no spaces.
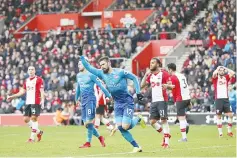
{"x":220,"y":81}
{"x":34,"y":89}
{"x":181,"y":96}
{"x":116,"y":82}
{"x":100,"y":110}
{"x":158,"y":110}
{"x":85,"y":89}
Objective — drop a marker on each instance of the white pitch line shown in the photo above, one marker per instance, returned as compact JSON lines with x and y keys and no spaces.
{"x":206,"y":147}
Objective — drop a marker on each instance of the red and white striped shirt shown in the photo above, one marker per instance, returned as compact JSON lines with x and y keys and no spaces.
{"x":181,"y":89}
{"x":156,"y":81}
{"x":221,"y":86}
{"x":100,"y":99}
{"x":32,"y":87}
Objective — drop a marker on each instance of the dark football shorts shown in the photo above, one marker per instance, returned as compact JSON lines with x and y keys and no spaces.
{"x":181,"y":107}
{"x":222,"y":105}
{"x":158,"y":110}
{"x":100,"y":110}
{"x":32,"y":109}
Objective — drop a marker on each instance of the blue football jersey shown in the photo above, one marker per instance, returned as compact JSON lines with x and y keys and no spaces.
{"x":85,"y":87}
{"x":232,"y":97}
{"x":116,"y":82}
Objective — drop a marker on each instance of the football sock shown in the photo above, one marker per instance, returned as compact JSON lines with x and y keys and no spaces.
{"x":34,"y":130}
{"x":36,"y":126}
{"x":134,"y":122}
{"x":157,"y":127}
{"x":128,"y":136}
{"x":219,"y":126}
{"x":96,"y":133}
{"x":97,"y":122}
{"x":166,"y":132}
{"x":182,"y":125}
{"x":186,"y":122}
{"x":107,"y":123}
{"x":30,"y":124}
{"x":229,"y":127}
{"x":89,"y":132}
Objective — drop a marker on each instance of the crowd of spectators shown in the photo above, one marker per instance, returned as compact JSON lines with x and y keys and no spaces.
{"x":219,"y":22}
{"x":169,"y":16}
{"x":63,"y":6}
{"x":177,"y":14}
{"x":218,"y":27}
{"x":198,"y":69}
{"x":151,"y":4}
{"x":56,"y":55}
{"x":18,"y":11}
{"x":55,"y":58}
{"x":202,"y":61}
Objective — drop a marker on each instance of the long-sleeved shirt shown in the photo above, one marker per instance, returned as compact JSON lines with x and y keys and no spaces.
{"x":85,"y":87}
{"x":116,"y":82}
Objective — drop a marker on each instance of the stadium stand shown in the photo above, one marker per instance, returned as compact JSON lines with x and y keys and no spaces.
{"x":219,"y":31}
{"x":219,"y":21}
{"x":64,"y":6}
{"x":55,"y":55}
{"x":170,"y":16}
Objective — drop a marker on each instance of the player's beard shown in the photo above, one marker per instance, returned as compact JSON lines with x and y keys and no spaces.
{"x":81,"y":70}
{"x":154,"y":69}
{"x":105,"y":70}
{"x":222,"y":75}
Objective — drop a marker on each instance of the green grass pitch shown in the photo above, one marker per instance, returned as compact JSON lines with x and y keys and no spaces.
{"x":63,"y":141}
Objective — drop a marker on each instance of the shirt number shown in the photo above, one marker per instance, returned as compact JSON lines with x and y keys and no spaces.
{"x":33,"y":111}
{"x":89,"y":111}
{"x":162,"y":113}
{"x":129,"y":111}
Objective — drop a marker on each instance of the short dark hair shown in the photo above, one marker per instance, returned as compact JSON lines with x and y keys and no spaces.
{"x":158,"y":61}
{"x":172,"y":66}
{"x":104,"y":58}
{"x":60,"y":109}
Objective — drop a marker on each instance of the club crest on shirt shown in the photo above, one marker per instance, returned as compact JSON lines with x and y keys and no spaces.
{"x":115,"y":76}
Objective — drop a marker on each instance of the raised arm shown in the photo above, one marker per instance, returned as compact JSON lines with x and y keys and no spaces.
{"x":77,"y":92}
{"x":91,"y":69}
{"x":98,"y":82}
{"x":231,"y":73}
{"x":132,"y":77}
{"x":214,"y":75}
